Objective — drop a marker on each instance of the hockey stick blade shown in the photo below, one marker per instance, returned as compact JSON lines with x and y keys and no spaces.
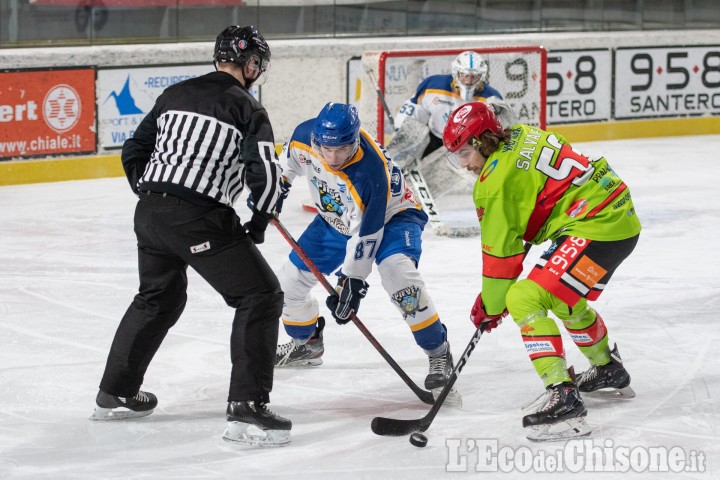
{"x":396,"y":427}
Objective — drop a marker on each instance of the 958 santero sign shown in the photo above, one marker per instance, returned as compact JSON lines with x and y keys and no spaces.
{"x":667,"y":82}
{"x":579,"y":86}
{"x":47,"y":112}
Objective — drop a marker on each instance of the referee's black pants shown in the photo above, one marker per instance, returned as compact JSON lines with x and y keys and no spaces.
{"x":172,"y":234}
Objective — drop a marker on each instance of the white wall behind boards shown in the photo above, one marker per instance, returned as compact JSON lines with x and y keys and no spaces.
{"x":305,"y":74}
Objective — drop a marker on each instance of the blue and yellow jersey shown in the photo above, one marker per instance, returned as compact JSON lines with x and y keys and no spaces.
{"x":357,"y":200}
{"x":436,"y":98}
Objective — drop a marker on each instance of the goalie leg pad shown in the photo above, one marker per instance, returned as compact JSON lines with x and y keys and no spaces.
{"x":248,"y":434}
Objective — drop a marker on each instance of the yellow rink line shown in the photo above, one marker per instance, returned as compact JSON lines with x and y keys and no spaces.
{"x":661,"y":127}
{"x":16,"y":172}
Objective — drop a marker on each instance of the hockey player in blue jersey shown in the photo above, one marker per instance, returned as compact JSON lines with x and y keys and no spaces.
{"x":437,"y":96}
{"x":366,"y":214}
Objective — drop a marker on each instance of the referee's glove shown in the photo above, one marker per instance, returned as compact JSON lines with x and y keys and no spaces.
{"x":256,"y":227}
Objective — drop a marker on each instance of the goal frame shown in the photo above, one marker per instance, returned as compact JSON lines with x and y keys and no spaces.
{"x":383,"y":56}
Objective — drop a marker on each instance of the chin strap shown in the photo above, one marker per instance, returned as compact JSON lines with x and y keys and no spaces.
{"x":248,"y":82}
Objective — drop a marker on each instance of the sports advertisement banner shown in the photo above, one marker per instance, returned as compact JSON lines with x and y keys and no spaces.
{"x":47,"y":112}
{"x":126,"y":95}
{"x":667,"y":82}
{"x":579,"y":86}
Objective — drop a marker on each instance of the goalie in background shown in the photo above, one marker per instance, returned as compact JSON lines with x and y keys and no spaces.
{"x":366,"y":214}
{"x":532,"y":187}
{"x":420,"y":122}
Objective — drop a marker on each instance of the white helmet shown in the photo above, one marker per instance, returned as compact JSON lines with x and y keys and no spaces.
{"x":473,"y":69}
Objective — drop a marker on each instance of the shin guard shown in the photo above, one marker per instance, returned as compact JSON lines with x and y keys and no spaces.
{"x":528,"y":305}
{"x":588,"y":331}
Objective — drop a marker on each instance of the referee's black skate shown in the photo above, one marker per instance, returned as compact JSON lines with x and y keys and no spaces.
{"x":441,"y":367}
{"x":611,"y":379}
{"x":309,"y":354}
{"x":559,"y":416}
{"x":111,"y":407}
{"x":253,"y":423}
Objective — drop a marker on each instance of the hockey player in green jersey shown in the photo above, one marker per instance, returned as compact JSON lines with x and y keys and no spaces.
{"x":532,"y":187}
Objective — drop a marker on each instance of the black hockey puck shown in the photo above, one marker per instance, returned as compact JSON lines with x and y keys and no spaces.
{"x":418,"y":439}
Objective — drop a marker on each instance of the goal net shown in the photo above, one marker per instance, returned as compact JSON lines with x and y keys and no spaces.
{"x":517,"y":72}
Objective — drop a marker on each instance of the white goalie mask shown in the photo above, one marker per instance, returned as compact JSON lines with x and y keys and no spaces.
{"x":469,"y":70}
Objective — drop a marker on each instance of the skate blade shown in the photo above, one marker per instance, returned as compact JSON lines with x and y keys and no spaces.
{"x":625,"y":392}
{"x":453,"y":399}
{"x":102,"y":414}
{"x":310,"y":362}
{"x":246,"y":434}
{"x":566,"y":430}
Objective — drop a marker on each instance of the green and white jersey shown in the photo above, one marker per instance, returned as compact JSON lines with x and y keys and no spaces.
{"x":537,"y":187}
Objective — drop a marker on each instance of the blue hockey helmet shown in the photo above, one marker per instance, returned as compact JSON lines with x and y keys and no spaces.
{"x":336,"y":134}
{"x":336,"y":125}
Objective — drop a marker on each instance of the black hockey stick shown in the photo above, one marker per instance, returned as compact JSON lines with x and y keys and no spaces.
{"x":396,"y":427}
{"x":423,"y":395}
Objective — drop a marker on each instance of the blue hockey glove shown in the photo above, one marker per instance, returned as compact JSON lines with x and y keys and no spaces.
{"x":342,"y":306}
{"x":284,"y":192}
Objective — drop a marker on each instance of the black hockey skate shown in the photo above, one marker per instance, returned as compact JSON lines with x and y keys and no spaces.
{"x":560,"y":415}
{"x":253,"y":423}
{"x":110,"y":407}
{"x":309,"y":354}
{"x":611,"y":379}
{"x":441,"y":368}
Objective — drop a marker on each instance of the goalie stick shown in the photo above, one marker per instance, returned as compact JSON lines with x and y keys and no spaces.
{"x":381,"y":97}
{"x":396,"y":427}
{"x":423,"y":395}
{"x":417,"y":182}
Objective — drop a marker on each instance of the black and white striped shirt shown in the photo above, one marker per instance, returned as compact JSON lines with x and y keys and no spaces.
{"x":206,"y":137}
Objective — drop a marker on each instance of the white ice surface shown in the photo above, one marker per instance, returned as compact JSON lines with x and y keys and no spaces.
{"x":68,"y":271}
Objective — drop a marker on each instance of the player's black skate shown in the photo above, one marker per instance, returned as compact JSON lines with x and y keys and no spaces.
{"x":309,"y":354}
{"x":110,"y":407}
{"x":441,"y":367}
{"x":560,"y":415}
{"x":610,"y":379}
{"x":253,"y":423}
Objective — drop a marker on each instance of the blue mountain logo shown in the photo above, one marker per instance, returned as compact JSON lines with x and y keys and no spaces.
{"x":124,"y":101}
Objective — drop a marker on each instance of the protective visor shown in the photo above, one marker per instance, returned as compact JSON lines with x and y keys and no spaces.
{"x":463,"y":153}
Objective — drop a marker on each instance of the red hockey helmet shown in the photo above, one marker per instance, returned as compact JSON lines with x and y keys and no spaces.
{"x":467,"y":122}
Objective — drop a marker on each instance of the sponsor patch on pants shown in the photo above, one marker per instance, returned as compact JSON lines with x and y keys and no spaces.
{"x":200,"y":248}
{"x":588,"y":271}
